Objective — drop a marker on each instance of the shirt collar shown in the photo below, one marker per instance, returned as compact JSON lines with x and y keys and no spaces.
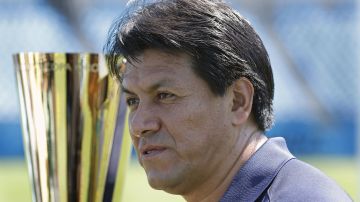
{"x":258,"y":172}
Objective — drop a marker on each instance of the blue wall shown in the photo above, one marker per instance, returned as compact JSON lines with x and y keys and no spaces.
{"x":303,"y":138}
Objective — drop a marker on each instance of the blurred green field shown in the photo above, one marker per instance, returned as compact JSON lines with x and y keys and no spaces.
{"x":15,"y":187}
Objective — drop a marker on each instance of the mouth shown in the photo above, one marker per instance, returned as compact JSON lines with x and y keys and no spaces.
{"x":151,"y":151}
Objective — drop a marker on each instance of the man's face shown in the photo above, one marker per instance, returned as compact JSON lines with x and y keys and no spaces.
{"x":181,"y":131}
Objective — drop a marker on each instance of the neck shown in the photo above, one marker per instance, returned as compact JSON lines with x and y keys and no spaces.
{"x":214,"y":188}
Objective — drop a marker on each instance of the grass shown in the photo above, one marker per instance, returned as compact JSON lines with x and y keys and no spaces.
{"x":344,"y":171}
{"x":14,"y":184}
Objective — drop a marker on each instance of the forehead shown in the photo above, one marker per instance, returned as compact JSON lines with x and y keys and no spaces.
{"x":153,"y":65}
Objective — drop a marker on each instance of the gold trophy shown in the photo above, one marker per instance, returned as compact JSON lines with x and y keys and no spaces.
{"x":73,"y":122}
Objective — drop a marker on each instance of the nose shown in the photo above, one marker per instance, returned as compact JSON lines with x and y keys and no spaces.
{"x":143,"y":122}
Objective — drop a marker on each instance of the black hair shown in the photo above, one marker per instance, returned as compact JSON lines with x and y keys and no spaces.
{"x":222,"y":44}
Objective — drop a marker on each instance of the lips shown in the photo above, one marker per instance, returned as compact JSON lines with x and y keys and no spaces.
{"x":148,"y":151}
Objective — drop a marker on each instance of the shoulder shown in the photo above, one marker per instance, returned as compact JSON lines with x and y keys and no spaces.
{"x":299,"y":181}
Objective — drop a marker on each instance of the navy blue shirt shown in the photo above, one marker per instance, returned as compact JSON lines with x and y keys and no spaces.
{"x":274,"y":174}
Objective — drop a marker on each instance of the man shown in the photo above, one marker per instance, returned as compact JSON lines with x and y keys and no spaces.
{"x":199,"y":87}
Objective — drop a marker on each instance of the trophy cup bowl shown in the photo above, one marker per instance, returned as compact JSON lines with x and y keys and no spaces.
{"x":73,"y":123}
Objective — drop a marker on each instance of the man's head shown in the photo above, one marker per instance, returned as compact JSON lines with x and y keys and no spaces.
{"x":198,"y":84}
{"x":222,"y":45}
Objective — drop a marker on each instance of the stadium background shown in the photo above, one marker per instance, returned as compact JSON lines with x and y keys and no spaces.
{"x":313,"y":46}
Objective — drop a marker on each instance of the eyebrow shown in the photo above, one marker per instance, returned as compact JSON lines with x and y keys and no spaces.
{"x":125,"y":90}
{"x":151,"y":88}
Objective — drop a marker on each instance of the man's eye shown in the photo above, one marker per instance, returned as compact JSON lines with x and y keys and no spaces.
{"x":132,"y":101}
{"x":162,"y":96}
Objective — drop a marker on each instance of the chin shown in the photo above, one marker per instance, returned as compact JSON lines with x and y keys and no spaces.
{"x":156,"y":183}
{"x":163,"y":183}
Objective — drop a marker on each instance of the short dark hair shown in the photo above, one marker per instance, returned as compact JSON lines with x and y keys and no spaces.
{"x":222,"y":44}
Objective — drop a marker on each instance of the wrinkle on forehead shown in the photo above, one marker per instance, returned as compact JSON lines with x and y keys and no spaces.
{"x":153,"y":65}
{"x":169,"y":58}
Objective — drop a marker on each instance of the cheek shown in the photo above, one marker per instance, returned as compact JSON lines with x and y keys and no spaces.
{"x":197,"y":130}
{"x":135,"y":142}
{"x":204,"y":117}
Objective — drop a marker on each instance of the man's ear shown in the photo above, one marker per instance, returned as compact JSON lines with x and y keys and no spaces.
{"x":243,"y":92}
